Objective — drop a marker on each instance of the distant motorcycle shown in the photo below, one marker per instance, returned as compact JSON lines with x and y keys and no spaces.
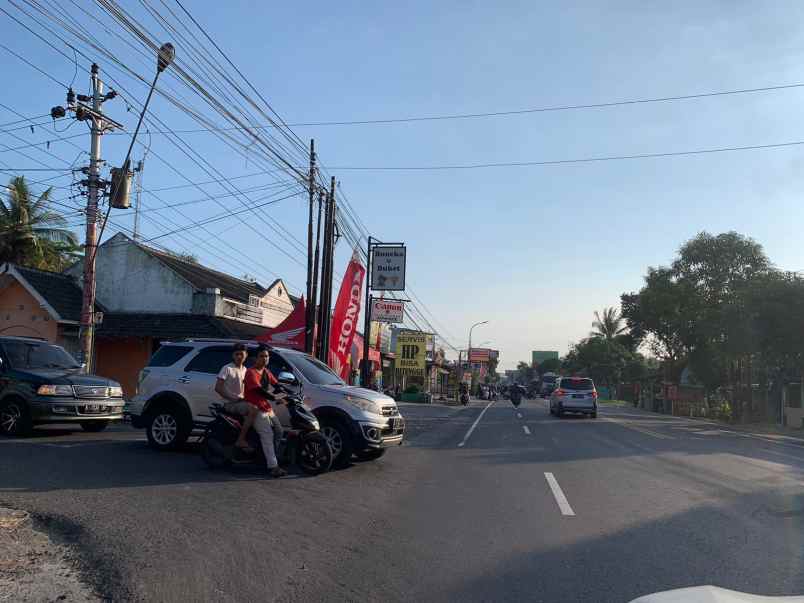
{"x":516,"y":395}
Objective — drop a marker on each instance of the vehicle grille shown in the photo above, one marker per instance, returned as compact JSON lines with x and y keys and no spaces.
{"x":91,"y":391}
{"x":390,"y":411}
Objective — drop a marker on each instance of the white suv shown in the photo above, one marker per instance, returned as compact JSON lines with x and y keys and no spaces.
{"x":176,"y":388}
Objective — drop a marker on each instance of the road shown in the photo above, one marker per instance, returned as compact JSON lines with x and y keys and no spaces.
{"x":529,"y":508}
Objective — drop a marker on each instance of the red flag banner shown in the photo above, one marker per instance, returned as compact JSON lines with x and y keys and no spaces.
{"x":290,"y":332}
{"x":345,"y":317}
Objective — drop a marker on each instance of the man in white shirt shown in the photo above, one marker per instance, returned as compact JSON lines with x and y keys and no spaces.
{"x":229,"y":386}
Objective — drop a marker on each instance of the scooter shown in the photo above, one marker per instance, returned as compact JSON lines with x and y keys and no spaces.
{"x":464,"y":398}
{"x":302,"y":445}
{"x":516,"y":395}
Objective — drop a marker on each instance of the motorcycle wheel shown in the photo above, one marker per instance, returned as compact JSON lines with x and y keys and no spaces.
{"x":212,"y":454}
{"x":314,"y":454}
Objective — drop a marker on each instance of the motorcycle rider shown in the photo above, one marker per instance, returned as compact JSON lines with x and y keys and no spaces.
{"x":266,"y":424}
{"x":229,"y":386}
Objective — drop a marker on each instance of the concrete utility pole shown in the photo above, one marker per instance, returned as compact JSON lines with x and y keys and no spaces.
{"x":326,"y":280}
{"x":93,"y":192}
{"x":138,"y":171}
{"x":314,"y":295}
{"x":309,"y":318}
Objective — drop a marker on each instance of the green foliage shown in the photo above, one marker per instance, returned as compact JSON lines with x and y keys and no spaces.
{"x":607,"y":325}
{"x":31,"y":234}
{"x":411,"y":389}
{"x":550,"y":365}
{"x":526,"y":372}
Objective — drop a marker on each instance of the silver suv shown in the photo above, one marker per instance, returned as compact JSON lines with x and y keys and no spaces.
{"x":176,"y":388}
{"x":574,"y":394}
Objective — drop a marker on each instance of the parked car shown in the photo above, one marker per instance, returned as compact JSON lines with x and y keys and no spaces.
{"x":574,"y":394}
{"x":176,"y":388}
{"x":41,"y":383}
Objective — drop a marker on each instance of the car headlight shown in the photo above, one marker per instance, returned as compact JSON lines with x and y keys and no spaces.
{"x":55,"y":390}
{"x":364,"y":405}
{"x":116,"y":392}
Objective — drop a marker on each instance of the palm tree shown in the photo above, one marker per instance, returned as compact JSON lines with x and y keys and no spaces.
{"x":609,"y":325}
{"x":31,"y":234}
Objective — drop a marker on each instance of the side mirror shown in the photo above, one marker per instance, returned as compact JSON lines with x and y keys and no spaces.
{"x":287,"y":378}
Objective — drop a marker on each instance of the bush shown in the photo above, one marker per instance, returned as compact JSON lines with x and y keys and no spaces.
{"x":411,"y":389}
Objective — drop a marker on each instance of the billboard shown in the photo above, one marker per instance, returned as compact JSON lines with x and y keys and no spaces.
{"x":480,"y":354}
{"x":411,"y":352}
{"x":388,"y":268}
{"x":385,"y":310}
{"x":537,"y":357}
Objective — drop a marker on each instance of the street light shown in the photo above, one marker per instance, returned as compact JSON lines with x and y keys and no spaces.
{"x":469,"y":351}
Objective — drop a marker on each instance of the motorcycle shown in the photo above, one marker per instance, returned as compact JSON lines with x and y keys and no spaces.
{"x":464,"y":398}
{"x":302,"y":445}
{"x":516,"y":395}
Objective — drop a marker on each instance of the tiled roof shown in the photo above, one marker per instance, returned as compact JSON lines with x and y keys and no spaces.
{"x":58,"y":290}
{"x":203,"y":278}
{"x":175,"y":326}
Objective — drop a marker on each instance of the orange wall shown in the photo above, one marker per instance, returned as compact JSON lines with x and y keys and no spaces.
{"x":122,"y":359}
{"x":21,"y":315}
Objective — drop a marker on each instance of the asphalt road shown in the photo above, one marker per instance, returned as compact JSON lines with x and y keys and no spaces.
{"x":529,"y":508}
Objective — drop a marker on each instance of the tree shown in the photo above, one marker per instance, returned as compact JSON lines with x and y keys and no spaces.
{"x":608,"y":325}
{"x":31,"y":234}
{"x":595,"y":357}
{"x":526,"y":372}
{"x":549,"y":365}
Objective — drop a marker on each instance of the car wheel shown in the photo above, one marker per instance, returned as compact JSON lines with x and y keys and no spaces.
{"x":340,"y":442}
{"x":372,"y":454}
{"x":559,"y":411}
{"x":94,"y":426}
{"x":15,"y":419}
{"x":168,"y":428}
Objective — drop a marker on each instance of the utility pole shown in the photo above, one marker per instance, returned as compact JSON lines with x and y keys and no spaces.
{"x":93,"y":191}
{"x":138,"y":171}
{"x":365,"y":372}
{"x":314,"y":295}
{"x":310,"y":313}
{"x":326,"y":294}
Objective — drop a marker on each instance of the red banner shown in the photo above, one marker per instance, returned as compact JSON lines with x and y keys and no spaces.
{"x":290,"y":332}
{"x":344,"y":319}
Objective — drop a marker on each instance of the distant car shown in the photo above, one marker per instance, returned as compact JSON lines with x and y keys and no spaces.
{"x":41,"y":383}
{"x":548,"y":384}
{"x":574,"y":394}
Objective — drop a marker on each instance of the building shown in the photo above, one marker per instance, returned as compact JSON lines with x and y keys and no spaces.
{"x":136,"y":279}
{"x":36,"y":303}
{"x":146,"y":296}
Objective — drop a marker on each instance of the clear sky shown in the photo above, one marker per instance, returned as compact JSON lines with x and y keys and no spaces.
{"x":534,"y":250}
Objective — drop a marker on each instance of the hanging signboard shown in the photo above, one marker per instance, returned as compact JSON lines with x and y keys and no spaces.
{"x":411,"y":349}
{"x":388,"y":268}
{"x":385,"y":310}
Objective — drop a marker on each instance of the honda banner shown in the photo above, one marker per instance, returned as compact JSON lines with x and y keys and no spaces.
{"x":345,"y":317}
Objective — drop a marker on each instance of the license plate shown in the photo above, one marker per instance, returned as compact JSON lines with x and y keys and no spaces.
{"x":93,"y":408}
{"x":578,"y":395}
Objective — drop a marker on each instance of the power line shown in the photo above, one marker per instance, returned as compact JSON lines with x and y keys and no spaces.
{"x":472,"y":166}
{"x":547,"y":109}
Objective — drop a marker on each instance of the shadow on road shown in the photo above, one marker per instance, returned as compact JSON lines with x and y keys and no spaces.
{"x":754,"y":544}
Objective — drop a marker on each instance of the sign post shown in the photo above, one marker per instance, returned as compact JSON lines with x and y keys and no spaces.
{"x":385,"y":263}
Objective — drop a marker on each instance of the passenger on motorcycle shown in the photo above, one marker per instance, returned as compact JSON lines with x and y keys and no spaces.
{"x":229,"y":386}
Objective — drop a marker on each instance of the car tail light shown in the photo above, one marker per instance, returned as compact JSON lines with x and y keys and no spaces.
{"x":560,"y":392}
{"x":594,"y":394}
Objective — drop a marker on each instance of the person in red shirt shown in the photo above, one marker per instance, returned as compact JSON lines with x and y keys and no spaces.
{"x":256,"y":391}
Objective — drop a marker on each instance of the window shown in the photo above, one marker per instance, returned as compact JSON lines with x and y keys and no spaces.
{"x":35,"y":355}
{"x":277,"y":364}
{"x":577,"y":384}
{"x":279,"y":290}
{"x":210,"y":360}
{"x":315,"y":371}
{"x":254,"y":300}
{"x":168,"y":355}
